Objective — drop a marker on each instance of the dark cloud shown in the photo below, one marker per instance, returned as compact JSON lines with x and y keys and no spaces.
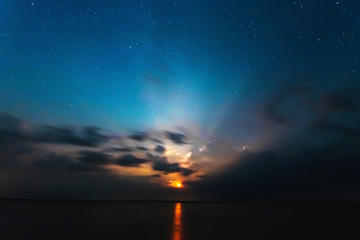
{"x":337,"y":102}
{"x":124,"y":149}
{"x":59,"y":176}
{"x":87,"y":136}
{"x":177,"y":138}
{"x":94,"y":157}
{"x":155,"y":175}
{"x":167,"y":167}
{"x":157,"y":141}
{"x":330,"y":129}
{"x":141,"y":148}
{"x":12,"y":126}
{"x":56,"y":161}
{"x":93,"y":136}
{"x":187,"y":172}
{"x":161,"y":164}
{"x":280,"y":108}
{"x":130,"y":161}
{"x":159,"y":149}
{"x":328,"y":172}
{"x":16,"y":140}
{"x":139,"y":136}
{"x":40,"y":182}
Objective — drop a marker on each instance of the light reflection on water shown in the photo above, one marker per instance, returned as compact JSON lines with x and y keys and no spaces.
{"x":177,"y":222}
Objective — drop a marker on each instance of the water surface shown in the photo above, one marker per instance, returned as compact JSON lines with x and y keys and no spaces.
{"x":167,"y":220}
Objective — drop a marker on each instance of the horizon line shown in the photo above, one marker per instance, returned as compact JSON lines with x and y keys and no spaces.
{"x":278,"y":202}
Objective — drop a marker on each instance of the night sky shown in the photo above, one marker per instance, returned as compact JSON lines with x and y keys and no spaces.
{"x":180,"y":100}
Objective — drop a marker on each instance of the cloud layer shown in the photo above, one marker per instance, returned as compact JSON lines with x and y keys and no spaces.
{"x":317,"y":158}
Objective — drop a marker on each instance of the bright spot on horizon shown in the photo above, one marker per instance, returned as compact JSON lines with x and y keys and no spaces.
{"x":176,"y":184}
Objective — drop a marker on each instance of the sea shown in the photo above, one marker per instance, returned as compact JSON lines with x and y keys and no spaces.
{"x":41,"y":219}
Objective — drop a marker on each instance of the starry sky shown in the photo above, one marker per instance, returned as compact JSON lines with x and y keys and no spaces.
{"x":125,"y":99}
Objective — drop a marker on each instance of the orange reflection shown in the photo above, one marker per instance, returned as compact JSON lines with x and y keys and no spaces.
{"x":177,"y":222}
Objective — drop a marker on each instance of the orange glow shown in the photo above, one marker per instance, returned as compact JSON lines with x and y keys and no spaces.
{"x":177,"y":222}
{"x":175,"y":184}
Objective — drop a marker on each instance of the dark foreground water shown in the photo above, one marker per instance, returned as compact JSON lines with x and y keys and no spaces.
{"x":137,"y":220}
